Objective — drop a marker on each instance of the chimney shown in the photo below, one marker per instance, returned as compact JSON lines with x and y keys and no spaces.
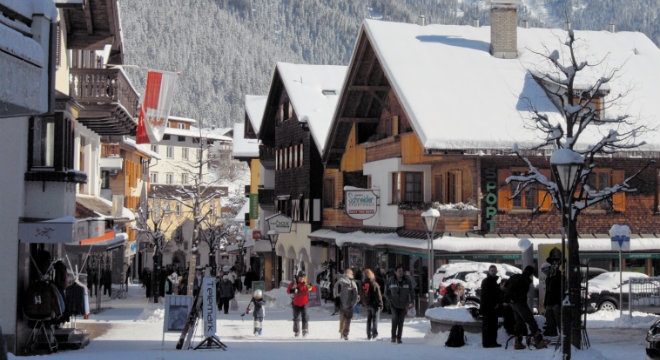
{"x":421,"y":20}
{"x":612,"y":27}
{"x":525,"y":24}
{"x":504,"y":28}
{"x":475,"y":22}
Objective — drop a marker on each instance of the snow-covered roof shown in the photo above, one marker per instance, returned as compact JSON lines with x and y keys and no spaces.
{"x":451,"y":87}
{"x":254,"y":108}
{"x":242,"y":147}
{"x":313,"y":91}
{"x":141,"y":148}
{"x":454,"y":244}
{"x":240,"y":215}
{"x":103,"y":207}
{"x":182,"y":119}
{"x":194,"y":132}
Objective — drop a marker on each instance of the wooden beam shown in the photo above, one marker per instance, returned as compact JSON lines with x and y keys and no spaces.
{"x":87,"y":9}
{"x":359,"y":119}
{"x":369,"y":88}
{"x":82,"y":40}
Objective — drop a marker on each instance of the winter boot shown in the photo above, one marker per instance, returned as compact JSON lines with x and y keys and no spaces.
{"x":518,"y":345}
{"x":539,"y":342}
{"x":259,"y":331}
{"x":305,"y":333}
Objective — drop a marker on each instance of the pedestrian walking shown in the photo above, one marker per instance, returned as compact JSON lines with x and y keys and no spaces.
{"x":373,"y":301}
{"x":400,"y":296}
{"x":300,"y":289}
{"x":348,"y":298}
{"x":491,"y":302}
{"x":225,"y":293}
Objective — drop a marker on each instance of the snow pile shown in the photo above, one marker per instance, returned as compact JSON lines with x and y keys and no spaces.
{"x":611,"y":319}
{"x":152,"y":315}
{"x":450,"y":313}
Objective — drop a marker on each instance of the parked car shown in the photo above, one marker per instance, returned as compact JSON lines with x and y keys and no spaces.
{"x":653,"y":341}
{"x":603,"y":290}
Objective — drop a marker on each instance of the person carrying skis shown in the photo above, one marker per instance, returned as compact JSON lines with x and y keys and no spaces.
{"x":300,"y":288}
{"x":259,"y":311}
{"x":348,"y":298}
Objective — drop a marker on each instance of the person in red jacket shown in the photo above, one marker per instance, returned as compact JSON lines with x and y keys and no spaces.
{"x":300,"y":288}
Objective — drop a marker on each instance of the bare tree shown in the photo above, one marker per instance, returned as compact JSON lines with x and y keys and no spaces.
{"x":584,"y":110}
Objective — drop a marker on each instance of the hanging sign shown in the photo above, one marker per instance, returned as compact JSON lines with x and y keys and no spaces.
{"x":209,"y":307}
{"x":361,"y":204}
{"x":280,"y":223}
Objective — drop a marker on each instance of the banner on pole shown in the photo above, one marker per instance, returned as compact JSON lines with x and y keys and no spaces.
{"x":158,"y":98}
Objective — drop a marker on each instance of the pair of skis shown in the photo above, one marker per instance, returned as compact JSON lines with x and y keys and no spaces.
{"x":189,"y":329}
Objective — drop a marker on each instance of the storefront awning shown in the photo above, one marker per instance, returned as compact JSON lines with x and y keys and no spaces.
{"x":471,"y":245}
{"x":55,"y":231}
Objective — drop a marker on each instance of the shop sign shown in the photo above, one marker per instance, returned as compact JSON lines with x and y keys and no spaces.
{"x":490,"y":175}
{"x":361,"y":204}
{"x":254,"y":206}
{"x":280,"y":223}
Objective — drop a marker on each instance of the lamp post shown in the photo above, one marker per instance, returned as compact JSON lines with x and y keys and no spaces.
{"x":430,"y":218}
{"x":566,"y":166}
{"x":272,"y":236}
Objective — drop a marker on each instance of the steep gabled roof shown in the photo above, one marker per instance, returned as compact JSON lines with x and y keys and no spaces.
{"x":244,"y":148}
{"x":313,"y":91}
{"x":254,"y":108}
{"x":459,"y":97}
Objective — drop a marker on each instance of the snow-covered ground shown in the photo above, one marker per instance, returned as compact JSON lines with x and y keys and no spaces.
{"x":135,"y":333}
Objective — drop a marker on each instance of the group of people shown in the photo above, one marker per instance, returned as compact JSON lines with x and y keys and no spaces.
{"x":102,"y":280}
{"x":511,"y":298}
{"x":398,"y":292}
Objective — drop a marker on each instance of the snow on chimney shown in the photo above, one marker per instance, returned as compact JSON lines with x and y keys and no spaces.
{"x":525,"y":24}
{"x":421,"y":21}
{"x":504,"y":28}
{"x":475,"y":22}
{"x":612,"y":27}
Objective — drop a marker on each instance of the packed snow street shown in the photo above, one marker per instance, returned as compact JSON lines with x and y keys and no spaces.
{"x":132,"y":330}
{"x":352,"y":179}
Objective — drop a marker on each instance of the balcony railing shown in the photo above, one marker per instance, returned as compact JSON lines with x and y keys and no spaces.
{"x":108,"y":150}
{"x":110,"y":101}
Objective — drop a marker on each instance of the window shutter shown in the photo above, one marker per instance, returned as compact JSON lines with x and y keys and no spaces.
{"x":545,"y":200}
{"x":618,"y":199}
{"x":504,"y":201}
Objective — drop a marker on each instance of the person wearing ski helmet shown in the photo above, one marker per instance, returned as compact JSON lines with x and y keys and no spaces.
{"x":300,"y":289}
{"x":258,"y":310}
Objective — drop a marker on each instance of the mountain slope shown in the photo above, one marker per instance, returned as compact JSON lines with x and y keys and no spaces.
{"x":226,"y":49}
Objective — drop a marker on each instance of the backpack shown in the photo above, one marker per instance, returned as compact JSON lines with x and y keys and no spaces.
{"x":456,"y":336}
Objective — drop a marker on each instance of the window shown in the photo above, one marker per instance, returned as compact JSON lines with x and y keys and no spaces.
{"x":295,"y":156}
{"x":329,"y":193}
{"x":525,"y":200}
{"x":437,"y":189}
{"x":170,"y":152}
{"x":290,"y":156}
{"x":195,"y":140}
{"x":181,"y":138}
{"x":280,"y":114}
{"x":169,"y":178}
{"x":414,"y":190}
{"x":212,"y":209}
{"x":454,"y":187}
{"x":51,"y":142}
{"x":407,"y":187}
{"x":184,"y":179}
{"x":105,"y":179}
{"x":300,"y":157}
{"x":181,"y":126}
{"x":154,"y":177}
{"x":166,"y":137}
{"x":184,"y":153}
{"x":178,"y":209}
{"x":599,"y":179}
{"x":154,"y":148}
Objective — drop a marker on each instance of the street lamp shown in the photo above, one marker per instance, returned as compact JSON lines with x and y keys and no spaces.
{"x":272,"y":236}
{"x":430,"y":218}
{"x":566,"y":166}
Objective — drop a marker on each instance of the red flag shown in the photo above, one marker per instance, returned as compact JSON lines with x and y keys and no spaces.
{"x":158,"y":99}
{"x":141,"y":136}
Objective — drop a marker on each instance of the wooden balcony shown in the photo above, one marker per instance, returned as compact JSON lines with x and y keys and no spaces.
{"x":110,"y":103}
{"x":109,"y":150}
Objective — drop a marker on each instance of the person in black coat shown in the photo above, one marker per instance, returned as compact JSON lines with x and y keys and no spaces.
{"x":517,"y":288}
{"x":491,"y":302}
{"x":552,"y":299}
